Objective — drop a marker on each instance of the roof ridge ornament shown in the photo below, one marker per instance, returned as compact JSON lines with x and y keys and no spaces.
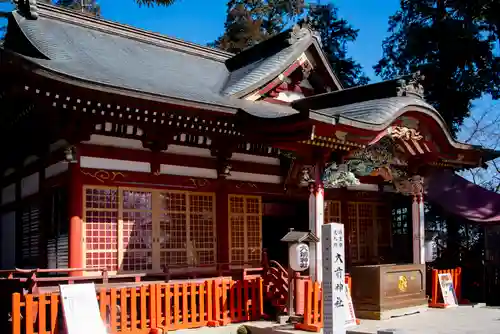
{"x":299,"y":31}
{"x":27,"y":8}
{"x":304,"y":28}
{"x":412,"y":87}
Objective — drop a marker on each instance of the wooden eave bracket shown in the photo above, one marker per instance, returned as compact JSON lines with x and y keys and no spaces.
{"x":223,"y":152}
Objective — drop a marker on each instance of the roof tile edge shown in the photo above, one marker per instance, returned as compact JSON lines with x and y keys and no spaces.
{"x":123,"y":30}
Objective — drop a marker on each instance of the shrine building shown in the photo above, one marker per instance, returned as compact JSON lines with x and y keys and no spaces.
{"x":138,"y":153}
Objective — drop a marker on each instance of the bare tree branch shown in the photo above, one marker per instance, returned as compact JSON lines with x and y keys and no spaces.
{"x":483,"y":128}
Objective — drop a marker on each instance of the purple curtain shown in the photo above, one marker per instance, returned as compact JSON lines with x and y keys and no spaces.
{"x":461,"y":197}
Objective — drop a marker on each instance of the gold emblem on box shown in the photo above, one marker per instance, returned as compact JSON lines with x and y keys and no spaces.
{"x":402,"y":283}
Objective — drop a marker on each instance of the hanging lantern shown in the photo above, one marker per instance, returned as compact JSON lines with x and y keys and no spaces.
{"x":430,"y":250}
{"x":298,"y":255}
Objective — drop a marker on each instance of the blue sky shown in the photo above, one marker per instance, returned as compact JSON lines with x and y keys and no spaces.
{"x":203,"y":21}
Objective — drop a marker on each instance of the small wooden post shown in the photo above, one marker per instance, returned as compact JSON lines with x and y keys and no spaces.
{"x":291,"y":291}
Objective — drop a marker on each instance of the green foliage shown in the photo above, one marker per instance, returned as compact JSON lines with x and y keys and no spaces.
{"x":250,"y":22}
{"x":151,"y":3}
{"x":93,"y":7}
{"x":452,"y":42}
{"x":84,"y":6}
{"x":484,"y":10}
{"x":335,"y":34}
{"x":453,"y":45}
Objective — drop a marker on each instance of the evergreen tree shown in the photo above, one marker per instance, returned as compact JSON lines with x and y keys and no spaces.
{"x":87,"y":6}
{"x":150,"y":3}
{"x":93,"y":7}
{"x":486,"y":10}
{"x":453,"y":45}
{"x":249,"y":22}
{"x":335,"y":34}
{"x":84,"y":6}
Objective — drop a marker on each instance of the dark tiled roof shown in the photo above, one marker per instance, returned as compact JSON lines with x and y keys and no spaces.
{"x":136,"y":61}
{"x":297,"y":236}
{"x":252,"y":76}
{"x":114,"y":54}
{"x":372,"y":106}
{"x":373,"y":91}
{"x":376,"y":112}
{"x":96,"y":54}
{"x":260,"y":64}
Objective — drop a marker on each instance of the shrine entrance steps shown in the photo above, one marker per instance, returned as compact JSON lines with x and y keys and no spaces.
{"x":275,"y":280}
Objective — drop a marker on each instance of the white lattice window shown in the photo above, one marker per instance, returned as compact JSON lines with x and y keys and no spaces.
{"x":187,"y":229}
{"x":136,"y":230}
{"x":100,"y":225}
{"x":145,"y":230}
{"x":245,"y":233}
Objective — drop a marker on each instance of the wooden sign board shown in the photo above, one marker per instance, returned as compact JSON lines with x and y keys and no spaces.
{"x":447,"y":290}
{"x":350,"y":317}
{"x":81,"y":310}
{"x":334,"y":292}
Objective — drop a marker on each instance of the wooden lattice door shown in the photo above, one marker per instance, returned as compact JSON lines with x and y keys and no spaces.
{"x":369,"y":231}
{"x":187,"y":229}
{"x":361,"y":225}
{"x":245,"y":217}
{"x":100,"y":228}
{"x":135,"y":230}
{"x":145,"y":230}
{"x":332,"y":212}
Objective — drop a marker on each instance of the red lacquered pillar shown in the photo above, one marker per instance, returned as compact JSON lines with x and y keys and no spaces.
{"x":418,"y":220}
{"x":75,"y":219}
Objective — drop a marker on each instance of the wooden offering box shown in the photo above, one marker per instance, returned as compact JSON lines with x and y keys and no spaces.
{"x":383,"y":291}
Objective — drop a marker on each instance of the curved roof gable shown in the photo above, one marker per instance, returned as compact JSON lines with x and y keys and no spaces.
{"x":246,"y":79}
{"x":375,"y":107}
{"x":378,"y":115}
{"x":259,"y":65}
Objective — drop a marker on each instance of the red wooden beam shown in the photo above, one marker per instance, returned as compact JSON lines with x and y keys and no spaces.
{"x":75,"y":258}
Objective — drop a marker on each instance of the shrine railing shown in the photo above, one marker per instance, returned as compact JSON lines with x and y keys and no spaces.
{"x":170,"y":306}
{"x":436,"y":299}
{"x":31,"y":279}
{"x":313,"y":306}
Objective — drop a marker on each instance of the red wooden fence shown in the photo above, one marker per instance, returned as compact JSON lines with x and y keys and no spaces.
{"x":436,"y":299}
{"x":313,"y":306}
{"x":170,"y":306}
